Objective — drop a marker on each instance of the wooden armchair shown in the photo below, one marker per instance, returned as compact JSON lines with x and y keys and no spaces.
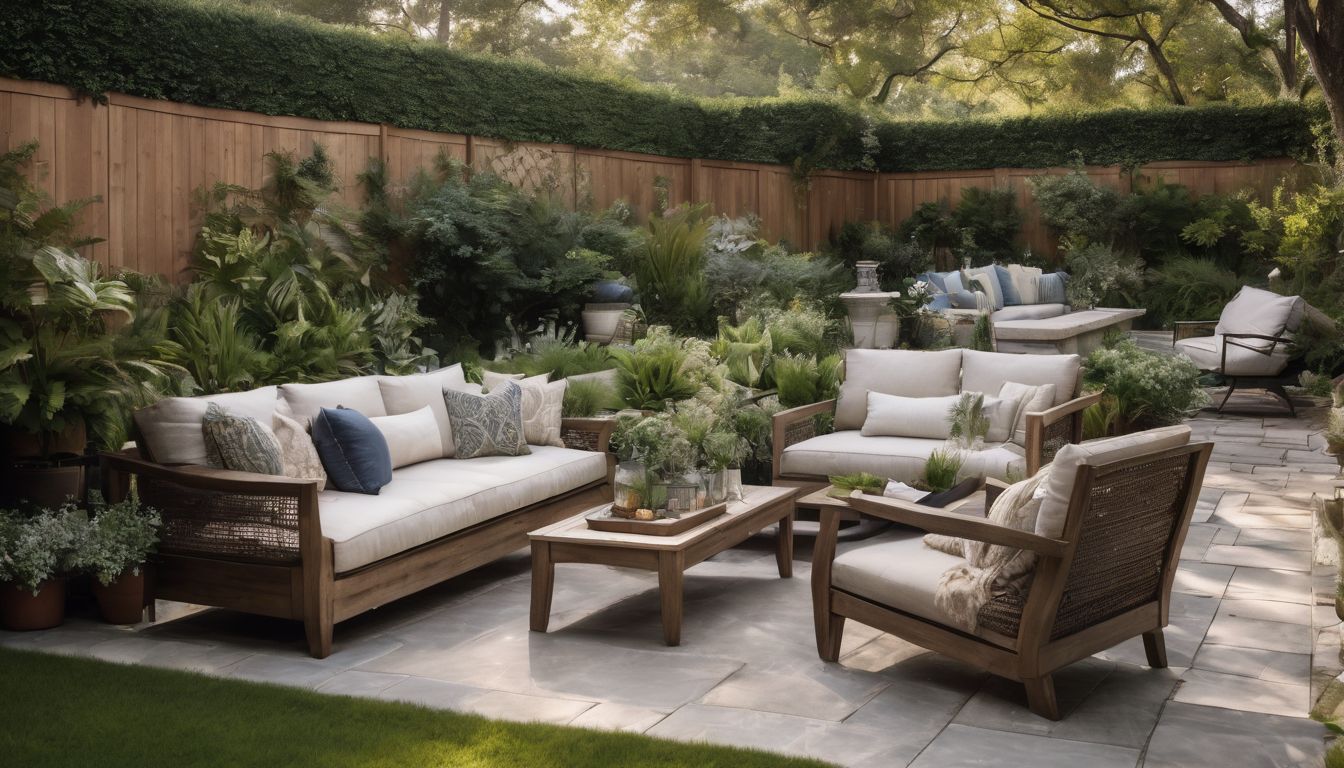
{"x":1107,"y":577}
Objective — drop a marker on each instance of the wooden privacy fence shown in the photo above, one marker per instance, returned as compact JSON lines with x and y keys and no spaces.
{"x":144,"y":159}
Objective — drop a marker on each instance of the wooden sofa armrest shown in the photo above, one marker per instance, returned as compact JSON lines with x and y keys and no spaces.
{"x":948,"y":522}
{"x":587,"y":434}
{"x":1185,"y":329}
{"x":794,"y":426}
{"x":221,"y":513}
{"x":1052,"y":429}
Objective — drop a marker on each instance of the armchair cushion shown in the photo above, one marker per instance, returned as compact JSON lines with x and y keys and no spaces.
{"x":894,"y":372}
{"x":302,"y":402}
{"x":1260,"y":312}
{"x":989,"y":371}
{"x":487,"y":425}
{"x":1064,"y":469}
{"x":240,"y":443}
{"x":1206,"y":352}
{"x":297,"y":451}
{"x":897,"y":458}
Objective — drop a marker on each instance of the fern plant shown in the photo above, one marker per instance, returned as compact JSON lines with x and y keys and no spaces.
{"x":650,"y":376}
{"x":967,"y":421}
{"x":585,"y":398}
{"x":858,"y":481}
{"x":671,"y":272}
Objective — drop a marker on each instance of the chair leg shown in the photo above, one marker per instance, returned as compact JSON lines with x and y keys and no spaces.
{"x":1041,"y":696}
{"x":1277,"y":389}
{"x":1231,"y":387}
{"x":1155,"y":645}
{"x":829,"y":636}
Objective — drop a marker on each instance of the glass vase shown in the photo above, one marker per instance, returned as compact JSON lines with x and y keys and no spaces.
{"x":629,"y":484}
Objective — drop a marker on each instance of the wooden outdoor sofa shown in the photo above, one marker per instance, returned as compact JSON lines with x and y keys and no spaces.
{"x":264,"y":544}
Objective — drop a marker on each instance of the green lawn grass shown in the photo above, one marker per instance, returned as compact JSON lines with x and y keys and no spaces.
{"x":63,"y":711}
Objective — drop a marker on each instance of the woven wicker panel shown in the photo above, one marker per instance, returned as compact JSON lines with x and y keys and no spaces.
{"x":1122,"y":548}
{"x":798,"y":431}
{"x":581,"y":439}
{"x":198,"y":522}
{"x":1056,"y":436}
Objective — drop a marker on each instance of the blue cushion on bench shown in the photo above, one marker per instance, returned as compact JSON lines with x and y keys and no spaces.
{"x":1011,"y":296}
{"x":1053,"y":288}
{"x":353,"y":451}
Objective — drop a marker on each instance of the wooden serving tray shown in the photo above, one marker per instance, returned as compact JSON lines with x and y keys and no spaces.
{"x":603,"y":520}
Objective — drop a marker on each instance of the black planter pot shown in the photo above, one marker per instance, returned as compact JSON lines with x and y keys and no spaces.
{"x":47,"y":482}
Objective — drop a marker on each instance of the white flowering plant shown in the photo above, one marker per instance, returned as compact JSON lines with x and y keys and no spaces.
{"x":1146,"y":389}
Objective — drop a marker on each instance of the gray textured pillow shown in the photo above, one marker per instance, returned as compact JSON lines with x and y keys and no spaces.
{"x":240,"y":443}
{"x":487,"y":425}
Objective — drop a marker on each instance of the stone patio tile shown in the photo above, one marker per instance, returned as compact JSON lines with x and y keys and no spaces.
{"x":1206,"y":579}
{"x":1248,"y":694}
{"x":1197,"y":540}
{"x":435,"y":694}
{"x":1101,"y":702}
{"x":610,"y":716}
{"x":1259,"y":557}
{"x":1270,"y":584}
{"x":842,"y":744}
{"x":1189,"y":622}
{"x":1266,"y":610}
{"x":282,"y":670}
{"x":1278,"y":501}
{"x":1257,"y":633}
{"x":518,"y":707}
{"x":168,"y":654}
{"x":353,"y":682}
{"x":926,"y":691}
{"x":1189,"y":735}
{"x":963,"y":745}
{"x":1299,"y":539}
{"x":820,"y":691}
{"x":884,"y":652}
{"x":1274,"y":666}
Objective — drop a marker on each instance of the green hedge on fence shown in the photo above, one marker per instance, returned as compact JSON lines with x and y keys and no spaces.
{"x":221,"y":55}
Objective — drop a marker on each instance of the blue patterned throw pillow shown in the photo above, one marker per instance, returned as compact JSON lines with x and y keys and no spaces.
{"x":487,"y":425}
{"x":240,"y":443}
{"x":353,"y":452}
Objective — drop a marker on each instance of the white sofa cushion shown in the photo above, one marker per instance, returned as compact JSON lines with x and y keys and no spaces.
{"x":900,"y":571}
{"x":302,"y":402}
{"x":896,"y":416}
{"x":988,"y":371}
{"x":1032,"y":399}
{"x":904,"y":372}
{"x":1261,"y":312}
{"x":411,"y":437}
{"x":171,"y":428}
{"x":543,"y":406}
{"x":1029,"y":312}
{"x":433,"y":499}
{"x":1024,"y":279}
{"x":404,"y":394}
{"x":1064,"y":469}
{"x":1206,"y":352}
{"x":897,"y":458}
{"x":988,"y":278}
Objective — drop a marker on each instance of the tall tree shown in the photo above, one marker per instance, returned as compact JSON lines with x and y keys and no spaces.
{"x":1275,"y":37}
{"x":1320,"y":27}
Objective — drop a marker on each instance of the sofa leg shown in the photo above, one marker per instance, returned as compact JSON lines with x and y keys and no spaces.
{"x":1155,"y":645}
{"x":319,"y":633}
{"x":830,"y":633}
{"x":1041,"y":697}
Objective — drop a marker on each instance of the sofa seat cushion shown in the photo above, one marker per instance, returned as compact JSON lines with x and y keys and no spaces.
{"x":1206,"y":352}
{"x":1029,"y":312}
{"x":989,"y":371}
{"x":433,"y":499}
{"x":897,"y":458}
{"x":899,"y":571}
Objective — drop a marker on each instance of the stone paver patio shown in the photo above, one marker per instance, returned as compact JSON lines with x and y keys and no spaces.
{"x":747,"y":673}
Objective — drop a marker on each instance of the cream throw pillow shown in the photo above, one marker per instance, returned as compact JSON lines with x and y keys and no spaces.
{"x":411,"y":437}
{"x":490,"y":379}
{"x":896,"y":416}
{"x":1000,"y":411}
{"x":543,"y":404}
{"x":1031,"y":399}
{"x":297,"y":452}
{"x":405,"y":394}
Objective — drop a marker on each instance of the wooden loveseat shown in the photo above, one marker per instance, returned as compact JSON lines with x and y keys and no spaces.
{"x":276,"y":546}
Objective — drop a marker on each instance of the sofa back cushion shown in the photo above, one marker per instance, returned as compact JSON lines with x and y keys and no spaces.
{"x":1261,"y":312}
{"x":1052,"y":288}
{"x":909,"y":373}
{"x":1011,"y":296}
{"x":1064,"y":469}
{"x":897,"y":416}
{"x":407,"y":394}
{"x":411,"y":437}
{"x":988,"y":278}
{"x":170,"y":429}
{"x":302,"y":402}
{"x":989,"y":371}
{"x":1032,"y":399}
{"x":354,"y":453}
{"x":1024,"y":280}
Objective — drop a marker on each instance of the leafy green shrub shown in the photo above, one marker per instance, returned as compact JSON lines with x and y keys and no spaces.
{"x":653,"y":373}
{"x":120,"y":537}
{"x":39,"y":547}
{"x":1076,"y":208}
{"x":796,"y":379}
{"x":1188,"y":288}
{"x":586,"y":397}
{"x":1148,"y":390}
{"x":558,"y":358}
{"x":745,"y":273}
{"x":897,"y":257}
{"x":1101,"y":277}
{"x":991,"y":220}
{"x":655,"y":441}
{"x":1151,"y":220}
{"x":671,"y":272}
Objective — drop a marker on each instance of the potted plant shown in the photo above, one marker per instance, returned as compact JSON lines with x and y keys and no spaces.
{"x":940,"y":471}
{"x":36,"y":553}
{"x":63,"y":372}
{"x":120,"y":537}
{"x":723,"y":453}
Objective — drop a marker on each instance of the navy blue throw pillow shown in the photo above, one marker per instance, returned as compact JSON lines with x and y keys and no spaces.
{"x":352,"y":450}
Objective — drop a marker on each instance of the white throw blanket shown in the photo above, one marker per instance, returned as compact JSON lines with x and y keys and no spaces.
{"x":990,"y":569}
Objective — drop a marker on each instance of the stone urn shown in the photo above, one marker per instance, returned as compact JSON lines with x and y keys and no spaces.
{"x":871,"y":319}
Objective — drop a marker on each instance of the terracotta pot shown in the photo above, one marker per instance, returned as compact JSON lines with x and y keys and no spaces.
{"x":18,"y":444}
{"x":22,"y":611}
{"x":46,"y":483}
{"x":122,"y":601}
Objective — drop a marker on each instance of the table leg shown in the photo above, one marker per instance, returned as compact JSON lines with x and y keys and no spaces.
{"x":784,"y":545}
{"x":670,"y":569}
{"x":543,"y":584}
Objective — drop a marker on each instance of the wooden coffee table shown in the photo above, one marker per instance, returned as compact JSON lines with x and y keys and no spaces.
{"x":572,"y":541}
